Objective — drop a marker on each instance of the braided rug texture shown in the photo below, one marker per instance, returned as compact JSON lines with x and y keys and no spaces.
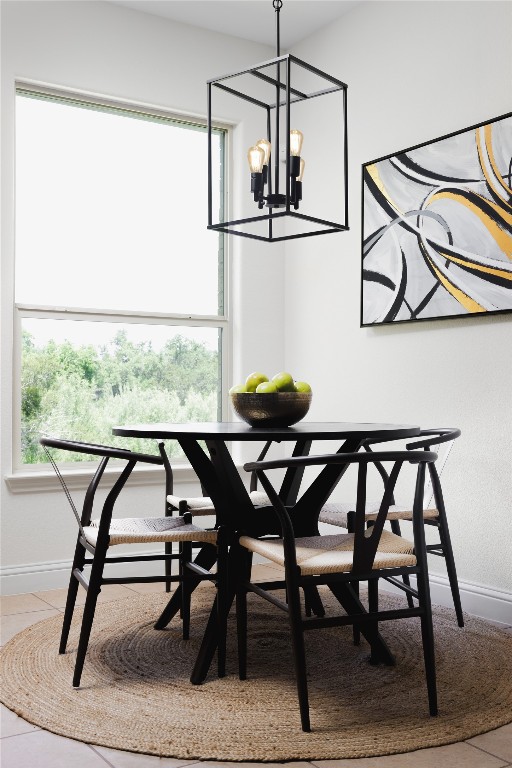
{"x":136,"y":693}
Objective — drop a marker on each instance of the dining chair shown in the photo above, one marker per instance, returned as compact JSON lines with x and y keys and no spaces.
{"x":434,"y":511}
{"x":364,"y":555}
{"x":97,"y":535}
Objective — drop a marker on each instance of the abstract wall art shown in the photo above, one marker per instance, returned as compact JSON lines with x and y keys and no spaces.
{"x":437,"y":228}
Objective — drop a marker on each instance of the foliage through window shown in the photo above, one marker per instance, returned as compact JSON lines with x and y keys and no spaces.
{"x":119,"y":286}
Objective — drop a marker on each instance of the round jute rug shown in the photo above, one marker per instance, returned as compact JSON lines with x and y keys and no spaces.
{"x":136,"y":693}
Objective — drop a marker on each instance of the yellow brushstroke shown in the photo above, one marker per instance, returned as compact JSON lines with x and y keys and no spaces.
{"x":468,"y":303}
{"x":478,"y":267}
{"x":503,"y":240}
{"x":492,"y":159}
{"x":497,"y":177}
{"x":374,"y":173}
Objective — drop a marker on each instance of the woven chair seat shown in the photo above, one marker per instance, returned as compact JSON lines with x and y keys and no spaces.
{"x":197,"y":505}
{"x":259,"y":498}
{"x":137,"y":530}
{"x":333,"y":554}
{"x":202,"y":505}
{"x":337,"y":513}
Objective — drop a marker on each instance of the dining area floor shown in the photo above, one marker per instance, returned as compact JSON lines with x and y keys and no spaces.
{"x":23,"y":745}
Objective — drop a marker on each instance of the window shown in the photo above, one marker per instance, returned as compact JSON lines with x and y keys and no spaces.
{"x":119,"y":285}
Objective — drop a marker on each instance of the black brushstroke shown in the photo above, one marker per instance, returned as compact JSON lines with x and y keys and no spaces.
{"x":426,"y":299}
{"x":411,"y":311}
{"x":467,"y":266}
{"x":404,"y":158}
{"x":377,"y":277}
{"x":377,"y":235}
{"x":381,"y":200}
{"x":373,"y":234}
{"x":506,"y":206}
{"x":403,"y":172}
{"x":432,"y":292}
{"x":400,"y":296}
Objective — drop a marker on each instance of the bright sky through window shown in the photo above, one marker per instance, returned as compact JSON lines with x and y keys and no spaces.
{"x":111,"y":212}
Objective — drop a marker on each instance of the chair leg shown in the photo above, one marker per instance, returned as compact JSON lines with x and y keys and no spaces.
{"x":373,"y":607}
{"x":186,"y":591}
{"x":78,"y":562}
{"x":168,"y":566}
{"x":307,"y":604}
{"x":222,"y":602}
{"x":446,"y":544}
{"x":373,"y":595}
{"x":299,"y":653}
{"x":395,"y":528}
{"x":244,"y":563}
{"x":356,"y":632}
{"x":427,"y":636}
{"x":427,"y":629}
{"x":95,"y":582}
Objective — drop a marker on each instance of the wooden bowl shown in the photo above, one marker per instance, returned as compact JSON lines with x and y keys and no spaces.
{"x":272,"y":409}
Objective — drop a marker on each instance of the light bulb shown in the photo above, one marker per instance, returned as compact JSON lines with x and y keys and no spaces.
{"x":301,"y":172}
{"x":296,"y":139}
{"x":256,"y":157}
{"x":266,"y":146}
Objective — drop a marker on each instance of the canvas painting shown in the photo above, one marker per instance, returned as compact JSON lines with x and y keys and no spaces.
{"x":437,"y":228}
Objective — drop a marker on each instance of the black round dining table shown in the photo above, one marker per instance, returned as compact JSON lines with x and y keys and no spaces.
{"x":222,"y":481}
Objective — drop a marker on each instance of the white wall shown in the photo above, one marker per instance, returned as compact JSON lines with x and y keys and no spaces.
{"x":415,"y":71}
{"x":104,"y":49}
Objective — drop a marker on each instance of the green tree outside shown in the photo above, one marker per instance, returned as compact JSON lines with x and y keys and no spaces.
{"x":80,"y":392}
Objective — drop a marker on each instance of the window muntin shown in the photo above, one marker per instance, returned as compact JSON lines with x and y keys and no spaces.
{"x":110,"y":212}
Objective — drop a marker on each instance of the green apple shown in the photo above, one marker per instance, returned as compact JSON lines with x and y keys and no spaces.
{"x":253,"y":380}
{"x":266,"y":386}
{"x":238,"y":388}
{"x":284,"y":382}
{"x":302,"y":386}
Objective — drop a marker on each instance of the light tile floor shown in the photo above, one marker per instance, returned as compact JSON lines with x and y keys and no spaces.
{"x":23,"y":745}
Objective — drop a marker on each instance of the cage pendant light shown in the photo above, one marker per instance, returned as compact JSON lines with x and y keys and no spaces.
{"x":291,"y":125}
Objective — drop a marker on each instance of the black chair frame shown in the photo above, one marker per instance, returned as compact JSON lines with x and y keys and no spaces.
{"x":430,"y":438}
{"x":365,"y":547}
{"x":99,"y":557}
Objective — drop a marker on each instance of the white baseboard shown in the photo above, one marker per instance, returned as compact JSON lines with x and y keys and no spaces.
{"x":477,"y":599}
{"x":35,"y":577}
{"x":39,"y":577}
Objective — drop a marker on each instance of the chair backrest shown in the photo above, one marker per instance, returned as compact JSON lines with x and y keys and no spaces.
{"x":105,"y":453}
{"x":440,"y":440}
{"x":366,"y":540}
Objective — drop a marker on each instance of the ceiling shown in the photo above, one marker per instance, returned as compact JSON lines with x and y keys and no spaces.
{"x":249,"y":19}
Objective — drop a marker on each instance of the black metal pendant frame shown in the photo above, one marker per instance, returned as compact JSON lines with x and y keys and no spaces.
{"x":292,"y":96}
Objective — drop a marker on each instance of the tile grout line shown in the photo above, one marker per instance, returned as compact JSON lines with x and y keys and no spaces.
{"x":486,"y":751}
{"x":36,"y":729}
{"x":36,"y":610}
{"x":41,"y":598}
{"x":102,"y":757}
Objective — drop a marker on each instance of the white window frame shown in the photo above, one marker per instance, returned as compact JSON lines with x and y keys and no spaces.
{"x":39,"y":477}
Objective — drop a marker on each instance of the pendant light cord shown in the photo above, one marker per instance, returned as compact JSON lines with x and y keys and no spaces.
{"x":277,"y":7}
{"x":278,"y":4}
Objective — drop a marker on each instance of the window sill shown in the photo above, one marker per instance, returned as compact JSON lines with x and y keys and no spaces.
{"x":78,"y":479}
